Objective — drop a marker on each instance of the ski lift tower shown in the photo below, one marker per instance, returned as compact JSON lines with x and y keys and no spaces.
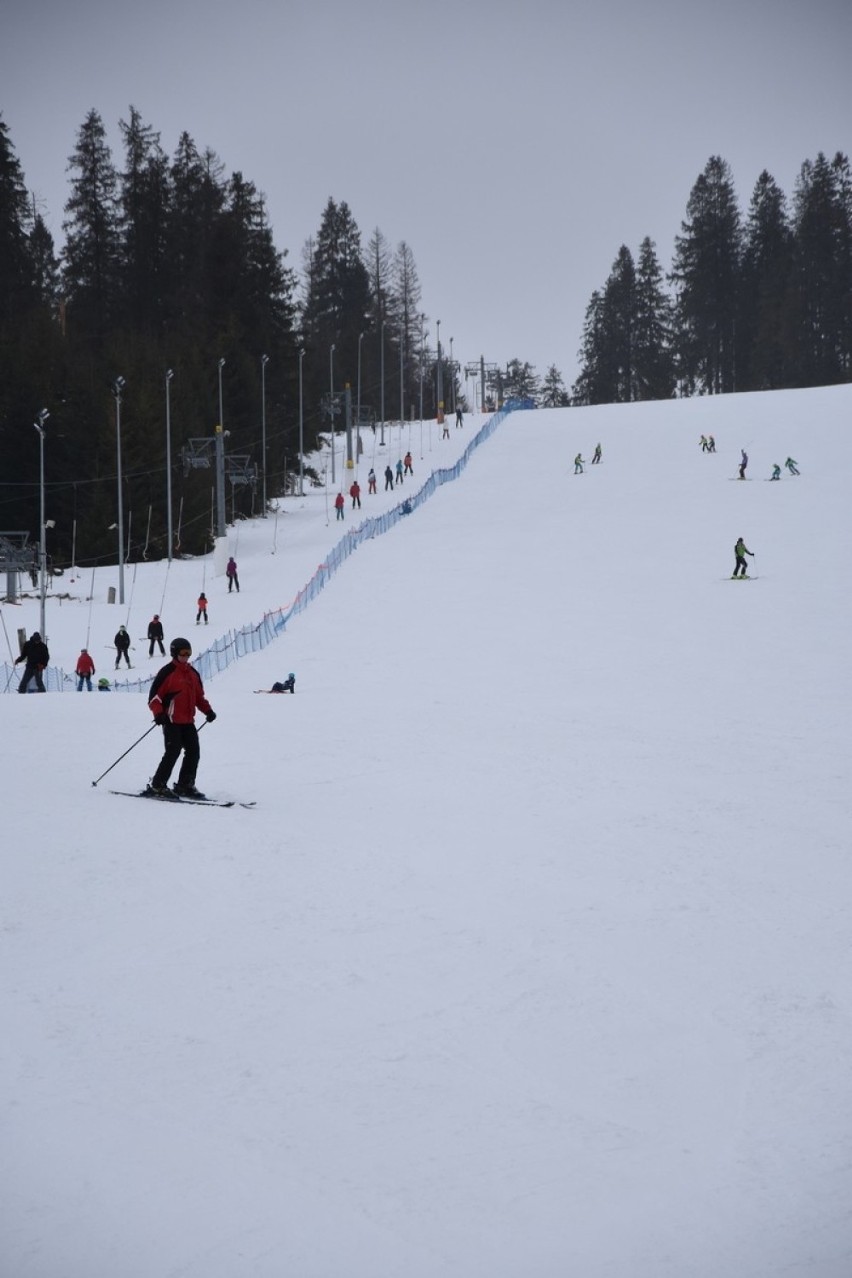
{"x":485,"y":372}
{"x":15,"y":557}
{"x":200,"y":454}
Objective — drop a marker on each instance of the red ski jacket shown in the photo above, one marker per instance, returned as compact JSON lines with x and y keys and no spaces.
{"x":177,"y":691}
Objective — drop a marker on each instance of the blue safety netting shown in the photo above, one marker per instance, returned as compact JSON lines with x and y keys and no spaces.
{"x":252,"y":638}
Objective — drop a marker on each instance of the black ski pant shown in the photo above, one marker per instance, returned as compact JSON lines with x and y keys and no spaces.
{"x":179,"y":736}
{"x":32,"y":672}
{"x":741,"y":563}
{"x":151,"y":647}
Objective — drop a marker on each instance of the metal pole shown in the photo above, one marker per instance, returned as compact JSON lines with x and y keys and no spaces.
{"x":382,"y":378}
{"x":39,"y":426}
{"x":358,"y":406}
{"x":439,"y":385}
{"x":264,"y":360}
{"x":453,"y":382}
{"x":220,"y":464}
{"x":422,"y":322}
{"x":169,"y":376}
{"x":301,"y":430}
{"x":401,"y":385}
{"x":331,"y":405}
{"x":118,"y":387}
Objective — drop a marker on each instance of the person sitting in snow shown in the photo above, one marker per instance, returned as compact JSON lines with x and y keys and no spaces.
{"x":289,"y":685}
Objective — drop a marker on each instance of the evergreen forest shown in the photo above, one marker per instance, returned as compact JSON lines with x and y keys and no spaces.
{"x":169,"y":313}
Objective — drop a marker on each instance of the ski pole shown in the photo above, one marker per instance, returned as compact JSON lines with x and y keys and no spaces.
{"x":127,"y":751}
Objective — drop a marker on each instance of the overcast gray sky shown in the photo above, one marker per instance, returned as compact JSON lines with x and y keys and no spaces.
{"x":514,"y":146}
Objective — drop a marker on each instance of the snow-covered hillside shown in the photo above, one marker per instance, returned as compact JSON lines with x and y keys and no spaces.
{"x":533,"y":958}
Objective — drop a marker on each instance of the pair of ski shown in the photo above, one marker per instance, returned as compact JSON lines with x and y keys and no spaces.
{"x":177,"y":798}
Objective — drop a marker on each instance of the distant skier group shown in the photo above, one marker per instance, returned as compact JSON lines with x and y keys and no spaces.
{"x":579,"y":460}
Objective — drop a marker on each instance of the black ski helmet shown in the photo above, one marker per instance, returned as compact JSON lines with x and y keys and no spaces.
{"x":178,"y":645}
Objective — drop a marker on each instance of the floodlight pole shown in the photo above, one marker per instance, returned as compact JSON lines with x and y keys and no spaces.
{"x":382,"y":379}
{"x":169,"y":376}
{"x":39,"y":426}
{"x":117,"y":387}
{"x":331,"y":406}
{"x":264,"y":360}
{"x":301,"y":429}
{"x":221,"y":528}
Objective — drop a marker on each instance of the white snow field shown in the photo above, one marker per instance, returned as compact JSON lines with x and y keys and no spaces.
{"x":533,"y":960}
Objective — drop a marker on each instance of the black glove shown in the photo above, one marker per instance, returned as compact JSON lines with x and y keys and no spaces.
{"x":161,"y":719}
{"x":211,"y":715}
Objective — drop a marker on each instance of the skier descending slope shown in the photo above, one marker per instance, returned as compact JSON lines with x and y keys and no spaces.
{"x":741,"y":550}
{"x":176,"y":693}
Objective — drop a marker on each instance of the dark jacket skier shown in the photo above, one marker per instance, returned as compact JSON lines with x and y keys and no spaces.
{"x":34,"y":652}
{"x":122,"y":645}
{"x":155,"y":634}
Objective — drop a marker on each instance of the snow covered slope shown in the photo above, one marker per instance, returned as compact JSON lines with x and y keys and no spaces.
{"x":533,"y":959}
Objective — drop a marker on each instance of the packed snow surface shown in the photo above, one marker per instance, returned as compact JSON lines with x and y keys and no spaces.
{"x":533,"y":959}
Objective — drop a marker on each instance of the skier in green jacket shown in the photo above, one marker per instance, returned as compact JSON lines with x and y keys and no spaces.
{"x":741,"y":550}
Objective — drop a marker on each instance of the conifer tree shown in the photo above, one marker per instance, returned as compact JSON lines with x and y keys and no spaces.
{"x":144,"y":201}
{"x":197,"y":200}
{"x":16,"y":275}
{"x":521,"y":381}
{"x":620,"y":311}
{"x":763,"y":337}
{"x":91,"y":254}
{"x":406,"y":293}
{"x":706,"y":276}
{"x":654,"y":374}
{"x":822,"y":271}
{"x":44,"y":264}
{"x":595,"y":383}
{"x":338,"y":308}
{"x":553,"y":393}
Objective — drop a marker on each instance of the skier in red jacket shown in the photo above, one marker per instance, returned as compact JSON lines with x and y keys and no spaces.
{"x":176,"y":693}
{"x":85,"y":670}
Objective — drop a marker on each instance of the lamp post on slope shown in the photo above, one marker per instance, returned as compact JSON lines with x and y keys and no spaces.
{"x":264,"y":360}
{"x":39,"y":426}
{"x":117,"y":388}
{"x":169,"y":376}
{"x":301,"y":429}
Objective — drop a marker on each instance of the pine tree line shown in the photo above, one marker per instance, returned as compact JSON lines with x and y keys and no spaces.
{"x":760,"y":304}
{"x":169,"y":266}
